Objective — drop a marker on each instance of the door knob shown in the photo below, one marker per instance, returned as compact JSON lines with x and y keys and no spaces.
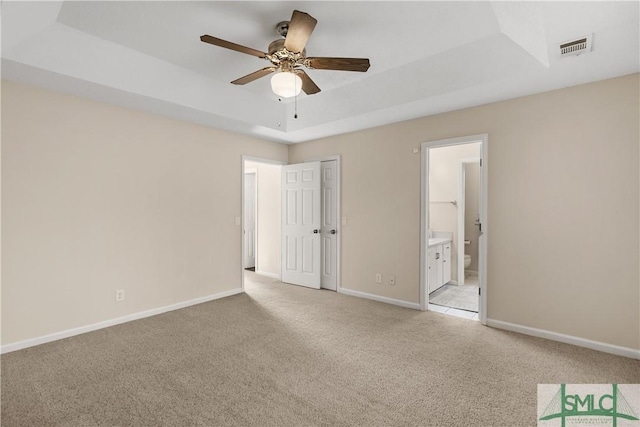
{"x":316,"y":231}
{"x":333,"y":232}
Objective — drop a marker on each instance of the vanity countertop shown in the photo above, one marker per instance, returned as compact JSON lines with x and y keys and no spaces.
{"x":435,"y":241}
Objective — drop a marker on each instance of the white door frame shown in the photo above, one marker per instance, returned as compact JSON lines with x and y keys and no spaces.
{"x":338,"y":214}
{"x":242,"y":170}
{"x":254,"y":171}
{"x":424,"y":216}
{"x":461,"y":213}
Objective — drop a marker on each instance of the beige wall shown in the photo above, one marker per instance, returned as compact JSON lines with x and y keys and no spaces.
{"x":97,"y":198}
{"x":269,"y":224}
{"x":444,"y":164}
{"x":563,"y":245}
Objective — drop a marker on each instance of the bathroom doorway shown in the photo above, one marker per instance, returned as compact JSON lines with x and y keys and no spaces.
{"x":453,"y":227}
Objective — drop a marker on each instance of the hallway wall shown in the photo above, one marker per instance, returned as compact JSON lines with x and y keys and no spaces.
{"x":269,"y":224}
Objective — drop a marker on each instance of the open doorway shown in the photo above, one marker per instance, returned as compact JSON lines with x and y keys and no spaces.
{"x":261,"y":210}
{"x":290,"y":228}
{"x":453,"y":227}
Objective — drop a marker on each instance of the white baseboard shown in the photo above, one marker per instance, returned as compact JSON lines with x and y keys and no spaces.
{"x":567,"y":339}
{"x":7,"y":348}
{"x":379,"y":298}
{"x":264,"y":273}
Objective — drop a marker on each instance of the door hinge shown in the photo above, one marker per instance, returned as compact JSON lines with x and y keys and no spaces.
{"x":480,"y":162}
{"x":479,"y":291}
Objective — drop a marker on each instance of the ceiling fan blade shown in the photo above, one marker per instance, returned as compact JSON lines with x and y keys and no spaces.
{"x":254,"y":76}
{"x":233,"y":46}
{"x":300,"y":28}
{"x":343,"y":64}
{"x":308,"y":86}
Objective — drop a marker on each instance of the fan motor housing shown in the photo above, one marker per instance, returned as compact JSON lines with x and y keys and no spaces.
{"x":275,"y":46}
{"x":278,"y":45}
{"x":282,"y":58}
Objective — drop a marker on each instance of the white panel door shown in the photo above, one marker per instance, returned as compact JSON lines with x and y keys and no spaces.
{"x":249,"y":231}
{"x":329,"y":229}
{"x":301,"y":224}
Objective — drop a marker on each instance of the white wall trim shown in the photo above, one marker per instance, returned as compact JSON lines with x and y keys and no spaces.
{"x":249,"y":171}
{"x":264,"y":273}
{"x":567,"y":339}
{"x":401,"y":303}
{"x":7,"y":348}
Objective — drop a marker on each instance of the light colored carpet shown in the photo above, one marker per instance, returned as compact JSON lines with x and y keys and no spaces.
{"x":463,"y":297}
{"x":282,"y":355}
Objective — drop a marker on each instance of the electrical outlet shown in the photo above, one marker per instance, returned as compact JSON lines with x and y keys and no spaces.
{"x":378,"y":278}
{"x":120,"y":295}
{"x":237,"y":220}
{"x":392,"y":280}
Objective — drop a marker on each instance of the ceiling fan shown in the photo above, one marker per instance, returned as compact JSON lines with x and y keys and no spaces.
{"x":288,"y":56}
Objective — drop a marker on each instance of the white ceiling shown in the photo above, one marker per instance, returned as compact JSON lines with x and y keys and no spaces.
{"x":426,"y":57}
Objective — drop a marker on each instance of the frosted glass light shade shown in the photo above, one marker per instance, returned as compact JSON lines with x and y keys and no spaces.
{"x":286,"y":84}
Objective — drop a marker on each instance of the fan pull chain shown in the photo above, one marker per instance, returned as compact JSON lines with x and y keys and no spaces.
{"x":295,"y":101}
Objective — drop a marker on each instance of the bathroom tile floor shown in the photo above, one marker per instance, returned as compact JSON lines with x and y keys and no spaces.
{"x":460,"y":297}
{"x":469,"y":281}
{"x":453,"y":312}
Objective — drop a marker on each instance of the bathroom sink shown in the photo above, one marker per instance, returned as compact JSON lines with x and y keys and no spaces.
{"x":434,"y":241}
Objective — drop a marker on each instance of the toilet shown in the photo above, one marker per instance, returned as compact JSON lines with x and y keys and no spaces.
{"x":467,"y":257}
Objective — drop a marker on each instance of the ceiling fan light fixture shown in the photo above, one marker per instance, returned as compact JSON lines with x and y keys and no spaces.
{"x":286,"y":84}
{"x":288,"y":56}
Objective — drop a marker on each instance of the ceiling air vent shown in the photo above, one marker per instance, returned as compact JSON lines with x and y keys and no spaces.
{"x":576,"y":47}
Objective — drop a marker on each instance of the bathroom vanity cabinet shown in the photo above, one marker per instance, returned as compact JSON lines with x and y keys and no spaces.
{"x":439,"y":263}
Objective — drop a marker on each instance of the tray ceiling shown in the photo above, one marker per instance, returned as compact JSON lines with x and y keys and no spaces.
{"x":426,"y":57}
